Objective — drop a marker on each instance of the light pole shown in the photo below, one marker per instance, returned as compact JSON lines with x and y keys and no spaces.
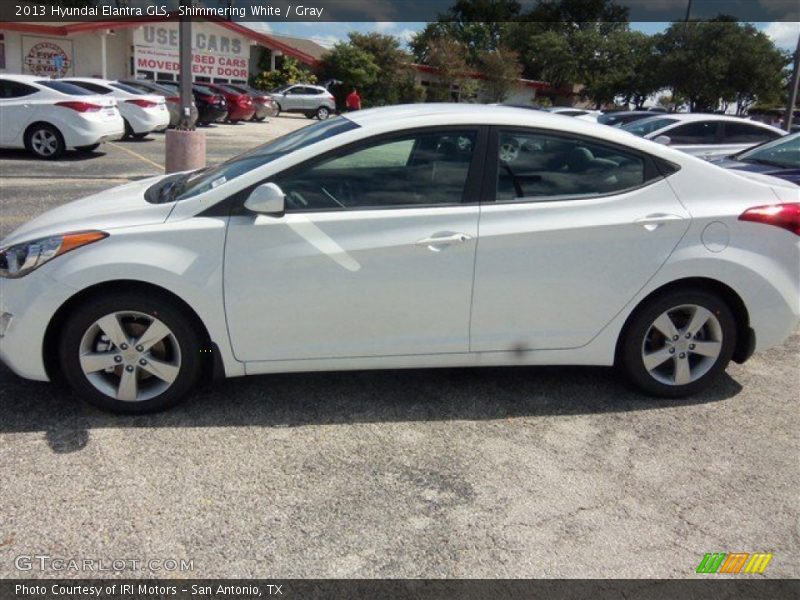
{"x":789,"y":115}
{"x":185,"y":147}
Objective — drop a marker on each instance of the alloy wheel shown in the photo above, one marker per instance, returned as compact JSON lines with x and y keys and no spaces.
{"x":44,"y":142}
{"x":682,"y":345}
{"x":130,"y":356}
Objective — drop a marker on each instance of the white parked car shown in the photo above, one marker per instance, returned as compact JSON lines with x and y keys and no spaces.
{"x":704,"y":135}
{"x":143,"y":113}
{"x":584,"y":114}
{"x":47,"y":117}
{"x":405,"y":237}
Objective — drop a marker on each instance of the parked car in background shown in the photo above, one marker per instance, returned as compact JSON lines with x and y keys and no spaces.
{"x":211,"y":105}
{"x":171,"y":95}
{"x":240,"y":106}
{"x":311,"y":100}
{"x":706,"y":136}
{"x":779,"y":158}
{"x":373,"y":242}
{"x":142,"y":113}
{"x":622,"y":117}
{"x":46,"y":116}
{"x":262,"y":101}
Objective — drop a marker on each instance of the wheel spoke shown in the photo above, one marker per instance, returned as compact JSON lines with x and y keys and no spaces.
{"x":156,"y":332}
{"x":665,"y":325}
{"x":683,"y":373}
{"x":710,"y":349}
{"x":128,"y":386}
{"x":654,"y":359}
{"x":699,"y":318}
{"x":97,"y":361}
{"x":162,"y":370}
{"x":112,"y":328}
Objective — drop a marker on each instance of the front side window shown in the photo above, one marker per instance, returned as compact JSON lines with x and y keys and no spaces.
{"x":14,"y":89}
{"x":422,"y":169}
{"x":699,"y":132}
{"x":744,"y":133}
{"x":543,"y":167}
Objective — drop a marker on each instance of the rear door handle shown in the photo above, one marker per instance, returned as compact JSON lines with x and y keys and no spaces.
{"x":436,"y":243}
{"x":656,"y":220}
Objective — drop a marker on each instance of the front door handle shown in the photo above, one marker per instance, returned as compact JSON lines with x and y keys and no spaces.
{"x":436,"y":243}
{"x":656,"y":220}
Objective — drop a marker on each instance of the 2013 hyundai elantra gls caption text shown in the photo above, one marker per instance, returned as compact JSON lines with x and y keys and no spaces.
{"x":415,"y":236}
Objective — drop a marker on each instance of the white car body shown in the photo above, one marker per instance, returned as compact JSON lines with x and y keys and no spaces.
{"x":18,"y":114}
{"x":144,"y":112}
{"x":722,"y":145}
{"x":517,"y":283}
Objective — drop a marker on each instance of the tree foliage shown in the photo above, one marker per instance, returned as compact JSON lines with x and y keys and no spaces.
{"x":287,"y":73}
{"x":351,"y":65}
{"x":501,"y":70}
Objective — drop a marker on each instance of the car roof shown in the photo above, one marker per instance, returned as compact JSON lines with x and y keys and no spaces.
{"x":23,"y":78}
{"x":87,"y":79}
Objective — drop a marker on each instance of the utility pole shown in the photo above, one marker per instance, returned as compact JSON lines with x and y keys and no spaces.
{"x":789,"y":115}
{"x":185,"y":147}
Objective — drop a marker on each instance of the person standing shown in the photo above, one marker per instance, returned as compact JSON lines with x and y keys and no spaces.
{"x":353,"y":101}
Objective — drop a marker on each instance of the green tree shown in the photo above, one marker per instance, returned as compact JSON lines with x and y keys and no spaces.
{"x":287,"y":73}
{"x":500,"y":70}
{"x":351,"y":65}
{"x":396,"y":81}
{"x":448,"y":58}
{"x":639,"y":76}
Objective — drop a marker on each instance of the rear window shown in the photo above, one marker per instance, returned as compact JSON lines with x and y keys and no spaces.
{"x":126,"y":88}
{"x":64,"y":88}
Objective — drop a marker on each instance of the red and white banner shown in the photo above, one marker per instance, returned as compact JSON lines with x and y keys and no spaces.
{"x":162,"y":60}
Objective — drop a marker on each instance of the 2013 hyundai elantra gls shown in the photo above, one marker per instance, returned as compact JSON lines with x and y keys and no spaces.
{"x":406,"y":237}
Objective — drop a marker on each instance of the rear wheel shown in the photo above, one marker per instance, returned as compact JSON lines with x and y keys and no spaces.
{"x":128,"y":130}
{"x":323,"y":112}
{"x":130,"y":353}
{"x":259,"y":119}
{"x":678,"y":342}
{"x":45,"y":141}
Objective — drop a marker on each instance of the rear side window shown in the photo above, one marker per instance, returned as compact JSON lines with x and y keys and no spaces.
{"x":542,"y":167}
{"x":699,"y":132}
{"x":64,"y":87}
{"x":744,"y":133}
{"x":15,"y":89}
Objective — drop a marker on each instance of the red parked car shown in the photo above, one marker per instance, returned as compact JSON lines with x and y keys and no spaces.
{"x":240,"y":106}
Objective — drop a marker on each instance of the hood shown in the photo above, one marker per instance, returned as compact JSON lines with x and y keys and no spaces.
{"x":122,"y":206}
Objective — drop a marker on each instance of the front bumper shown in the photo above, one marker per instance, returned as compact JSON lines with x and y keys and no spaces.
{"x":27,"y":305}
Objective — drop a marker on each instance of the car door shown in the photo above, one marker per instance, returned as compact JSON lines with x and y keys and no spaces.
{"x":699,"y":138}
{"x":17,"y":110}
{"x":293,"y":98}
{"x":373,"y":257}
{"x":577,"y":228}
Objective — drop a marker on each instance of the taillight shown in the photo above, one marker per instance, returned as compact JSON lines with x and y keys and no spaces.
{"x":174,"y":99}
{"x":142,"y":103}
{"x":79,"y":106}
{"x":786,"y":216}
{"x":244,"y":100}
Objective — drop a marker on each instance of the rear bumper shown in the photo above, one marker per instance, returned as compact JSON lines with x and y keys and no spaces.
{"x":211,"y":114}
{"x":88,"y":133}
{"x":240,"y":114}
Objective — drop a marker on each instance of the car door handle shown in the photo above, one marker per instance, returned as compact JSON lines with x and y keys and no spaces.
{"x":435,"y":242}
{"x":656,"y":220}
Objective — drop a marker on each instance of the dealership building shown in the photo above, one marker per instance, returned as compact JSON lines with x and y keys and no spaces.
{"x":223,"y":51}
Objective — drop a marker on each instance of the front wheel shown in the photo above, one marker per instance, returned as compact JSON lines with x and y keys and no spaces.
{"x":45,"y":141}
{"x":130,"y":353}
{"x":677,"y":343}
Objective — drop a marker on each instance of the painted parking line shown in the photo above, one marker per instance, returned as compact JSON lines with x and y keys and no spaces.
{"x":159,"y":167}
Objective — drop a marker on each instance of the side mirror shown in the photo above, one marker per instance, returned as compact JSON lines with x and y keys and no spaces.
{"x":663,"y":139}
{"x":266,"y":199}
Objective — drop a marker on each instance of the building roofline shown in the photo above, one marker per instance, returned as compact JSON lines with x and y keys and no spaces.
{"x":89,"y":26}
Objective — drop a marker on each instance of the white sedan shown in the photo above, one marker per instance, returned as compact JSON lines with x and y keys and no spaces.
{"x":407,"y":237}
{"x":143,"y":113}
{"x":705,"y":135}
{"x":47,"y":117}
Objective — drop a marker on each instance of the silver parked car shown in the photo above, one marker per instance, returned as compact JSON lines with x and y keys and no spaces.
{"x":706,"y":136}
{"x":311,"y":100}
{"x":171,"y":95}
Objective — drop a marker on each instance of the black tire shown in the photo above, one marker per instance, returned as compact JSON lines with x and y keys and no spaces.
{"x":128,"y":130}
{"x":90,"y":148}
{"x":258,"y":119}
{"x":323,"y":113}
{"x":310,"y":115}
{"x":140,"y":136}
{"x":33,"y":145}
{"x":633,"y":343}
{"x":277,"y":110}
{"x":181,"y":327}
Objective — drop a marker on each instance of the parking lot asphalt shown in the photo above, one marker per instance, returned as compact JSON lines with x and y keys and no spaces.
{"x":513,"y":472}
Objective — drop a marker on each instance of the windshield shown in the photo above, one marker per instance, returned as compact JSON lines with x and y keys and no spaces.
{"x":783,"y":152}
{"x":644,"y":127}
{"x":188,"y":185}
{"x":65,"y":88}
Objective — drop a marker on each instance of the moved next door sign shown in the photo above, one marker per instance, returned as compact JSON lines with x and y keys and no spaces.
{"x":209,"y":65}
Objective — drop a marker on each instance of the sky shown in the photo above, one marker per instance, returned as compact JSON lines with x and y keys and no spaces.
{"x":784,"y":34}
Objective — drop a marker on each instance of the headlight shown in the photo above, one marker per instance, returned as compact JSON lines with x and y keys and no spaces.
{"x":20,"y":259}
